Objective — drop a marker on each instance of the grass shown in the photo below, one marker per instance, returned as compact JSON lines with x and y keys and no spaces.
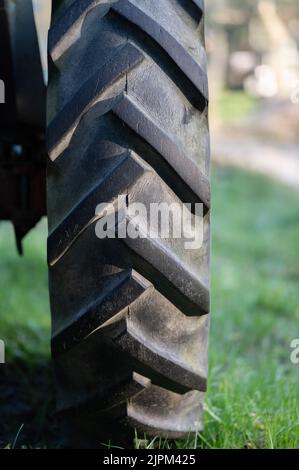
{"x":24,"y":299}
{"x":253,"y":386}
{"x":26,"y":394}
{"x":252,"y":400}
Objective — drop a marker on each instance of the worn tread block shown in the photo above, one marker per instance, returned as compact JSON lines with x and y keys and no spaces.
{"x":130,"y":317}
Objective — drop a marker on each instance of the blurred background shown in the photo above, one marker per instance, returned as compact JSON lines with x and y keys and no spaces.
{"x":252,"y":402}
{"x":254,"y":84}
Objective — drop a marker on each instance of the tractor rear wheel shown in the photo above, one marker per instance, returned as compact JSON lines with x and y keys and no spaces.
{"x":127,"y":116}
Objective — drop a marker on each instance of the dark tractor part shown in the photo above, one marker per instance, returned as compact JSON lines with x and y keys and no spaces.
{"x":127,"y":115}
{"x":22,"y":119}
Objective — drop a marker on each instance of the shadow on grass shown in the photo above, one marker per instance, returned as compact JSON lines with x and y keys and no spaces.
{"x":27,"y":404}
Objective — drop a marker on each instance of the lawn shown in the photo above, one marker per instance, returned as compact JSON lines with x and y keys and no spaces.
{"x":253,"y":386}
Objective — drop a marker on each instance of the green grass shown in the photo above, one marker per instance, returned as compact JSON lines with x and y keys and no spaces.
{"x":253,"y":387}
{"x":24,"y":299}
{"x":26,"y":392}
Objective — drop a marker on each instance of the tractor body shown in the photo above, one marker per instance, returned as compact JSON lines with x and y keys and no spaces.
{"x":22,"y":119}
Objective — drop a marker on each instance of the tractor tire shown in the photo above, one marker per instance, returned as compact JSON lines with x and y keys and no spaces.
{"x":127,"y":116}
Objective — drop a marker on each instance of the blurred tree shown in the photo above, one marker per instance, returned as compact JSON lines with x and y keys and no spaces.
{"x":255,"y":33}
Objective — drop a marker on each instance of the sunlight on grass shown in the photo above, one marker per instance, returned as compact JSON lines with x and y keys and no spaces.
{"x":24,"y":300}
{"x":253,"y":386}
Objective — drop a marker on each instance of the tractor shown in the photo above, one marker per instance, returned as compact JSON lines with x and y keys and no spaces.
{"x":124,"y":112}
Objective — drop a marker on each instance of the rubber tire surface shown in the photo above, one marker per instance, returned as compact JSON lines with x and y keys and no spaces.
{"x":127,"y":116}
